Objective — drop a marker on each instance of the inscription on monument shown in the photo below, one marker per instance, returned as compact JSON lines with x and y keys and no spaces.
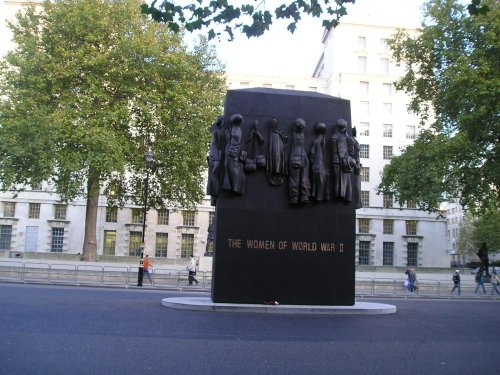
{"x":238,"y":243}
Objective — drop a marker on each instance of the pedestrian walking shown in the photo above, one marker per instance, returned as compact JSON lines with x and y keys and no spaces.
{"x":494,"y":282}
{"x":146,"y":264}
{"x":192,"y":270}
{"x":456,"y":282}
{"x":480,"y":281}
{"x":411,"y":279}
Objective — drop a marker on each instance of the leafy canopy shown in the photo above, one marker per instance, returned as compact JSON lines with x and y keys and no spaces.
{"x":487,"y":229}
{"x":90,"y":85}
{"x":453,"y":79}
{"x":251,"y":17}
{"x":474,"y":230}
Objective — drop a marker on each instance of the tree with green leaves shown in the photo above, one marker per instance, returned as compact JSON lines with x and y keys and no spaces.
{"x":89,"y":87}
{"x":487,"y":229}
{"x":252,"y":18}
{"x":453,"y":79}
{"x":474,"y":230}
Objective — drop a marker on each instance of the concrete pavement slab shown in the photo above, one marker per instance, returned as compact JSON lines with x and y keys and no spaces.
{"x":206,"y":304}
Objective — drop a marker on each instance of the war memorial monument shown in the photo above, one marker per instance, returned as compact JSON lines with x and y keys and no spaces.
{"x":284,"y":178}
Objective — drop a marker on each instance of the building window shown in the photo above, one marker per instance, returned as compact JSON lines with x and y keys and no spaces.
{"x":211,"y":217}
{"x":313,"y":88}
{"x":111,"y":214}
{"x":161,"y":245}
{"x":361,"y":41}
{"x":365,"y":198}
{"x":163,"y":216}
{"x":210,"y":247}
{"x":365,"y":174}
{"x":412,"y":255}
{"x":36,"y":187}
{"x":290,"y":87}
{"x":60,"y":211}
{"x":187,"y":245}
{"x":57,"y":240}
{"x":364,"y":87}
{"x":387,"y":87}
{"x":411,"y":227}
{"x":388,"y":253}
{"x":135,"y":242}
{"x":34,"y":211}
{"x":388,"y":226}
{"x":364,"y":129}
{"x":362,"y":64}
{"x":388,"y":200}
{"x":364,"y":252}
{"x":387,"y":152}
{"x":364,"y":107}
{"x":387,"y":108}
{"x":109,"y":242}
{"x":410,"y":132}
{"x":5,"y":236}
{"x":9,"y":209}
{"x":188,"y":218}
{"x":384,"y":66}
{"x":364,"y":151}
{"x":363,"y":225}
{"x":384,"y":44}
{"x":387,"y":131}
{"x":137,"y":216}
{"x":411,"y":204}
{"x":268,"y":85}
{"x":244,"y":84}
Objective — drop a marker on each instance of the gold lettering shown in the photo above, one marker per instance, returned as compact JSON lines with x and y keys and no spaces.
{"x":325,"y":246}
{"x":261,"y":244}
{"x":304,"y":246}
{"x":234,"y":243}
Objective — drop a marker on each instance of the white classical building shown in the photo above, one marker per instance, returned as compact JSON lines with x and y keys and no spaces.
{"x":356,"y":64}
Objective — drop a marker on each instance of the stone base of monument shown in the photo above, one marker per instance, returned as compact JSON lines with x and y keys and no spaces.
{"x":206,"y":304}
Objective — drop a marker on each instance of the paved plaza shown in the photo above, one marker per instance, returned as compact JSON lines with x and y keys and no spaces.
{"x":81,"y":330}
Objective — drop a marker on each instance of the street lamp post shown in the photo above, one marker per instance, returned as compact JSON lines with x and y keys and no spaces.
{"x":149,"y":158}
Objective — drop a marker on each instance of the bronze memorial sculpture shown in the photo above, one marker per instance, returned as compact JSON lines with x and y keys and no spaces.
{"x":234,"y":177}
{"x":298,"y":176}
{"x":342,"y":161}
{"x":284,"y":224}
{"x":277,"y":166}
{"x":320,"y":184}
{"x":214,"y":159}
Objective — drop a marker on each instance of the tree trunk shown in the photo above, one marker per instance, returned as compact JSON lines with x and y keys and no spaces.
{"x":89,"y":253}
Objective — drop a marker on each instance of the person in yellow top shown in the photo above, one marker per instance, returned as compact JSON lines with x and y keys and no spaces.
{"x":146,"y":265}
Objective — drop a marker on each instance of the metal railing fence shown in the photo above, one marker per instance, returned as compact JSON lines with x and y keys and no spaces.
{"x":166,"y":278}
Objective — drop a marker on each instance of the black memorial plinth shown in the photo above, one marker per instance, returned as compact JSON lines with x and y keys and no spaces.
{"x":271,"y":242}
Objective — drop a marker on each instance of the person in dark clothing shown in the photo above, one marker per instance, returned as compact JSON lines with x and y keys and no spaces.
{"x":456,"y":282}
{"x":411,"y":279}
{"x":480,"y":281}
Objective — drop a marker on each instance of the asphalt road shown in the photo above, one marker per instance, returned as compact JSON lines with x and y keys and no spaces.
{"x":79,"y":330}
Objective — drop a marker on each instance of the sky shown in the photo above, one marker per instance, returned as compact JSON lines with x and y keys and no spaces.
{"x":278,"y":52}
